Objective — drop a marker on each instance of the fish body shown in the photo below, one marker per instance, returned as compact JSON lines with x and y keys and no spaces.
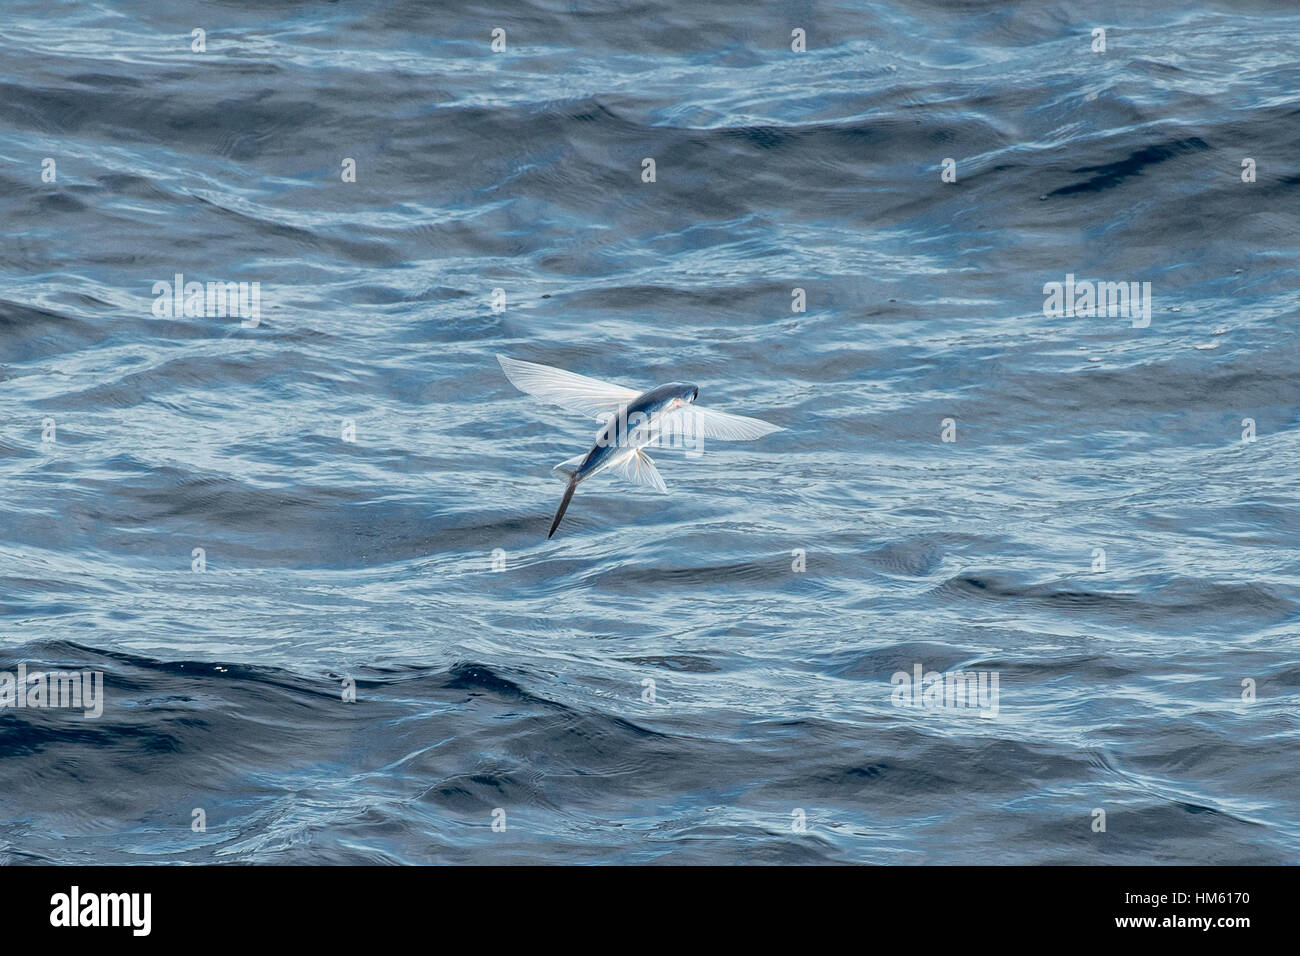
{"x":665,"y":416}
{"x":635,"y":426}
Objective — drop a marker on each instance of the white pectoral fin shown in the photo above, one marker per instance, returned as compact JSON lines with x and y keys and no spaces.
{"x":723,"y":426}
{"x":638,"y":468}
{"x":590,"y":396}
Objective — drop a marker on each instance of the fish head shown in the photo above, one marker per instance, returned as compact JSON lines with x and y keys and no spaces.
{"x":683,"y":393}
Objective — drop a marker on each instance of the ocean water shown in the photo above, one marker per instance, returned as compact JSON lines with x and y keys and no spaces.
{"x":241,"y":522}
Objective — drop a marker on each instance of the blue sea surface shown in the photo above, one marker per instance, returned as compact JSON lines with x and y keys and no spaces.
{"x":242,"y":522}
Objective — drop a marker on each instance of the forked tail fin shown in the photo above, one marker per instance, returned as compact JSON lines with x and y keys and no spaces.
{"x":564,"y":504}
